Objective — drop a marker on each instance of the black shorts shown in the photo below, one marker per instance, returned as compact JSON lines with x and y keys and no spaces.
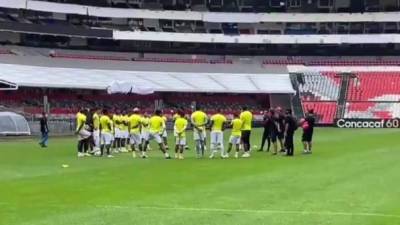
{"x":307,"y":136}
{"x":274,"y":136}
{"x":281,"y":135}
{"x":246,"y":136}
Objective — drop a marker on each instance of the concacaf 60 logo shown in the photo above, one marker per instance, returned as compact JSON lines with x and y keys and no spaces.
{"x":367,"y":123}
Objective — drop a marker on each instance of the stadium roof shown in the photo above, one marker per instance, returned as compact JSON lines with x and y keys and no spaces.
{"x":100,"y":79}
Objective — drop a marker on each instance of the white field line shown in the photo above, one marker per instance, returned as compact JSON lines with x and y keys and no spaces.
{"x":224,"y":210}
{"x":258,"y":211}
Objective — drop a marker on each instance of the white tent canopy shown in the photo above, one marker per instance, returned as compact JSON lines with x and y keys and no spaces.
{"x":13,"y":124}
{"x":55,"y":77}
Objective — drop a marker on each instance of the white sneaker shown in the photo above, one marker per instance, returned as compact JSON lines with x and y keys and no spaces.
{"x":176,"y":156}
{"x":110,"y":156}
{"x":133,"y":154}
{"x":246,"y":155}
{"x":236,"y":154}
{"x":80,"y":155}
{"x":87,"y":154}
{"x":211,"y":156}
{"x":224,"y":156}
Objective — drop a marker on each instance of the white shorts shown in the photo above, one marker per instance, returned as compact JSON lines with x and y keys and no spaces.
{"x":106,"y":138}
{"x":145,"y":135}
{"x":180,"y":141}
{"x":135,"y":138}
{"x":155,"y":136}
{"x":96,"y":138}
{"x":164,"y":134}
{"x":198,"y":135}
{"x":124,"y":134}
{"x":217,"y":138}
{"x":83,"y":134}
{"x":235,"y":140}
{"x":118,"y":133}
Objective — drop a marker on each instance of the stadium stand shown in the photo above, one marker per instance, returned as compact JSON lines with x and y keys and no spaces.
{"x":325,"y":111}
{"x":375,"y":86}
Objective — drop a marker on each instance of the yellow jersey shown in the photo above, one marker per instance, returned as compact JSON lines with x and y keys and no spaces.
{"x":105,"y":124}
{"x":199,"y":119}
{"x":80,"y":120}
{"x":96,"y":121}
{"x":218,"y":122}
{"x":145,"y":123}
{"x":117,"y":121}
{"x":180,"y":126}
{"x":134,"y":123}
{"x":247,"y":119}
{"x":237,"y":127}
{"x":156,"y":124}
{"x":124,"y":122}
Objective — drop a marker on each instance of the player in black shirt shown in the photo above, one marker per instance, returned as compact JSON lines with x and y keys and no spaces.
{"x":290,"y":128}
{"x":308,"y":131}
{"x":281,"y":124}
{"x":274,"y":130}
{"x":266,"y":134}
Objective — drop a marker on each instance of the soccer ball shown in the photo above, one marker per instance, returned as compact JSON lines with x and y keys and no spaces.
{"x":97,"y":153}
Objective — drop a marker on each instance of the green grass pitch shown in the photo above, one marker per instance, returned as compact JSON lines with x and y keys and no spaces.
{"x":353,"y":177}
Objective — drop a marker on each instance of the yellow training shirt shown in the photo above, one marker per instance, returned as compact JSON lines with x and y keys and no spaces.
{"x":180,"y":126}
{"x":247,"y":119}
{"x":218,"y":122}
{"x":80,"y":120}
{"x":199,"y":119}
{"x":237,"y":127}
{"x":106,"y":124}
{"x":134,"y":123}
{"x":96,"y":121}
{"x":156,"y":124}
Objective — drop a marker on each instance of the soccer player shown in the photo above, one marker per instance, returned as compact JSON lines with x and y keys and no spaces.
{"x":247,"y":117}
{"x":217,"y":134}
{"x":274,"y":131}
{"x":199,"y":121}
{"x":44,"y":129}
{"x":174,"y":117}
{"x":106,"y":127}
{"x":267,"y":120}
{"x":145,"y":130}
{"x":156,"y":127}
{"x":236,"y":133}
{"x":134,"y":130}
{"x":165,"y":134}
{"x":290,"y":128}
{"x":82,"y":132}
{"x":281,"y":124}
{"x":124,"y":120}
{"x":308,"y":131}
{"x":96,"y":130}
{"x":117,"y":120}
{"x":180,"y":129}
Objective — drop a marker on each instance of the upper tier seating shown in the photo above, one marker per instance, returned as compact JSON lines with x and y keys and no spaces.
{"x":375,"y":86}
{"x":320,"y":87}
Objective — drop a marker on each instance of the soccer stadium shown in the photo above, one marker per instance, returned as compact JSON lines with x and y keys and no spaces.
{"x":181,"y":112}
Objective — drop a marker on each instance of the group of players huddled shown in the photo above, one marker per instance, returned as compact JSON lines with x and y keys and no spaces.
{"x":102,"y":132}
